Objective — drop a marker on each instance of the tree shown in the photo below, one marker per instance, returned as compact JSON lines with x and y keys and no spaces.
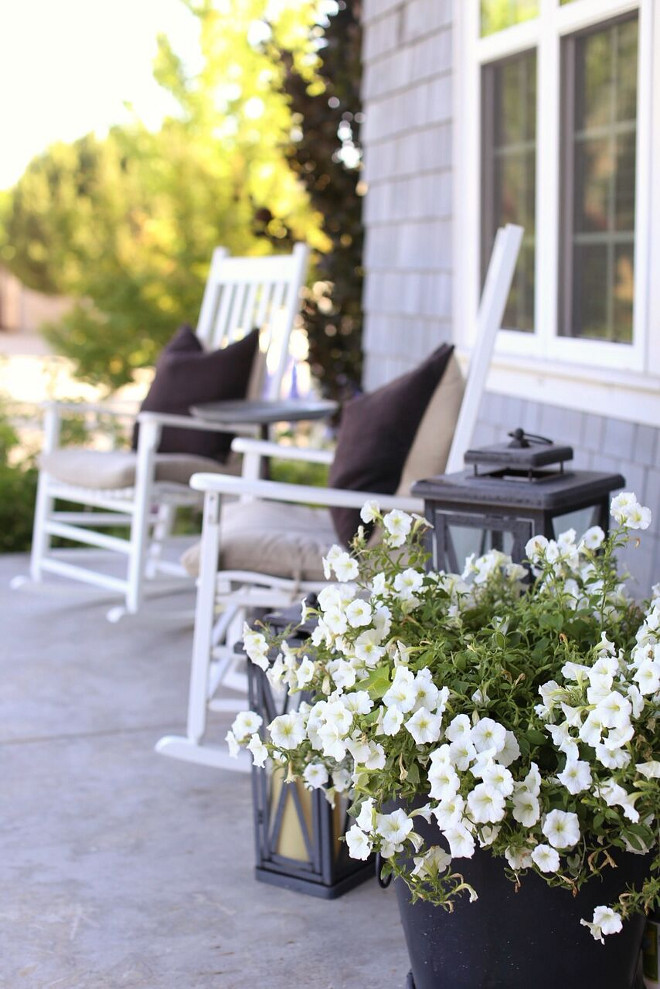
{"x":126,"y":224}
{"x":327,"y":159}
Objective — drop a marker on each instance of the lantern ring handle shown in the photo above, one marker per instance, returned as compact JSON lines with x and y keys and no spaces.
{"x":519,"y":438}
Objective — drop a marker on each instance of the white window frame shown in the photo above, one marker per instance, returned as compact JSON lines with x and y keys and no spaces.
{"x":607,"y":378}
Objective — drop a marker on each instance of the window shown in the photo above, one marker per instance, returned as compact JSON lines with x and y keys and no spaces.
{"x":599,"y":80}
{"x":555,"y":133}
{"x":508,"y":107}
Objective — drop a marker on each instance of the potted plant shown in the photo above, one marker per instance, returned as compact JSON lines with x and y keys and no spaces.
{"x":498,"y":732}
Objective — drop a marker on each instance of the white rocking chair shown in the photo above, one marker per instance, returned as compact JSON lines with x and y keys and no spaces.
{"x":141,"y":490}
{"x":264,"y":550}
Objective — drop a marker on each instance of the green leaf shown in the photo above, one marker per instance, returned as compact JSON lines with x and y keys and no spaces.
{"x":377,"y":683}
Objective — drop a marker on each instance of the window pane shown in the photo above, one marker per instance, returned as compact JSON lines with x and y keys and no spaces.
{"x":509,"y":172}
{"x":496,"y":15}
{"x":600,"y":69}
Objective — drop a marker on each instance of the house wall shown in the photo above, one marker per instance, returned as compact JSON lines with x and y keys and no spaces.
{"x":408,"y":135}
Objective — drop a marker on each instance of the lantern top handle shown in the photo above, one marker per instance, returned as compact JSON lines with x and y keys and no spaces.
{"x":522,"y":440}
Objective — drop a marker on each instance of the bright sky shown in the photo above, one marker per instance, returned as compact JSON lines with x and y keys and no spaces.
{"x":68,"y":66}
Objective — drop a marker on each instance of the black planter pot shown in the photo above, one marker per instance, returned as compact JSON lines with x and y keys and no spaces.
{"x":530,"y":939}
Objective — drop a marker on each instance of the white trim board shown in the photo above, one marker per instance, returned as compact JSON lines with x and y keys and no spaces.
{"x":593,"y":391}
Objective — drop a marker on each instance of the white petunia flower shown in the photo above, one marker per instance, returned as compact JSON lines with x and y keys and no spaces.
{"x":256,"y":647}
{"x":647,"y":676}
{"x":358,"y":746}
{"x":328,"y":560}
{"x":358,"y":613}
{"x":315,"y":775}
{"x":459,"y":727}
{"x":460,"y":841}
{"x":358,"y":702}
{"x":407,"y":583}
{"x":287,"y":730}
{"x":402,"y":694}
{"x":370,"y":511}
{"x":611,"y":758}
{"x":365,"y":818}
{"x":536,"y":547}
{"x":432,"y":863}
{"x":394,"y":827}
{"x":258,"y":750}
{"x":449,"y":812}
{"x":427,"y":694}
{"x":462,"y":752}
{"x":488,"y":834}
{"x":444,"y":781}
{"x":592,"y":538}
{"x":488,"y":734}
{"x":335,"y":620}
{"x":368,"y":649}
{"x":343,"y":673}
{"x":424,"y":726}
{"x":614,"y":710}
{"x":485,"y":804}
{"x":377,"y":757}
{"x":305,"y":672}
{"x":526,"y":809}
{"x":341,"y":780}
{"x":651,"y":769}
{"x":532,"y":781}
{"x":234,"y":747}
{"x":398,"y":524}
{"x":591,"y":731}
{"x":561,"y":828}
{"x":359,"y":844}
{"x":519,"y":858}
{"x":332,"y":741}
{"x":498,"y":776}
{"x":392,"y":721}
{"x":510,"y":751}
{"x":246,"y":723}
{"x":576,"y":776}
{"x":345,"y":568}
{"x":546,"y":858}
{"x":627,"y":511}
{"x":605,"y":921}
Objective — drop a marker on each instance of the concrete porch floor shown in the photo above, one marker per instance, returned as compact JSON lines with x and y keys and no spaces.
{"x":122,"y":868}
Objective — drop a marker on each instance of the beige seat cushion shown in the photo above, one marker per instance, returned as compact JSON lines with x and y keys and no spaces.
{"x":271,"y":538}
{"x":115,"y":469}
{"x":430,"y":449}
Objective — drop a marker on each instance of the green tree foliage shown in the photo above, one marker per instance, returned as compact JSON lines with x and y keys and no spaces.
{"x":126,"y":225}
{"x":18,"y":486}
{"x":327,"y":159}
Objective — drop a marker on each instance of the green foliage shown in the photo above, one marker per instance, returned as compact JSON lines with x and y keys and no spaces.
{"x":126,"y":225}
{"x":327,"y":158}
{"x":18,"y":487}
{"x":299,"y":472}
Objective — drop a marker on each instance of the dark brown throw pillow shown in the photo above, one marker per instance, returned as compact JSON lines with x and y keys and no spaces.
{"x":187,"y":375}
{"x":376,"y":432}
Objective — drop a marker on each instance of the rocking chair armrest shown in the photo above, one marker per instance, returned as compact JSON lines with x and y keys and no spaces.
{"x":305,"y":494}
{"x":183,"y":422}
{"x":90,"y":407}
{"x":271,"y":449}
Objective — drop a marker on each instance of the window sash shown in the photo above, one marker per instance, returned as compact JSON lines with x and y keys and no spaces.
{"x":574,"y":241}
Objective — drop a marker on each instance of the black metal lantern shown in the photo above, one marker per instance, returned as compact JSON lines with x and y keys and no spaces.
{"x":511,"y":492}
{"x":297,"y":832}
